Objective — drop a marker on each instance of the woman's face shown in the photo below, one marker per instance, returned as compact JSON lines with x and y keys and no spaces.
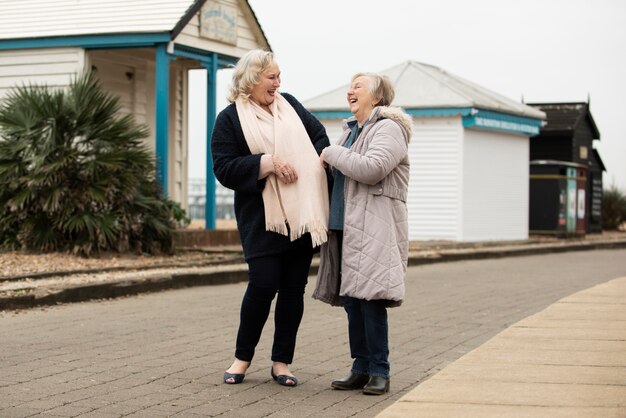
{"x":360,"y":99}
{"x":264,"y":92}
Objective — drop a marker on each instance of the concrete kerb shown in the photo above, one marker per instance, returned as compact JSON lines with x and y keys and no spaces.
{"x":224,"y":273}
{"x":128,"y":287}
{"x":511,"y":251}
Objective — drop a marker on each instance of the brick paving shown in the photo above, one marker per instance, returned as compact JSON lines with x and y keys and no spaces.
{"x":163,"y":354}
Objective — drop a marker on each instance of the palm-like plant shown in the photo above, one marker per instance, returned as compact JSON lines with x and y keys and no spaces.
{"x":74,"y":174}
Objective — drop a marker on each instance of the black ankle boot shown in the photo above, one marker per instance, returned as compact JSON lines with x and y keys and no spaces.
{"x":350,"y":382}
{"x":377,"y":385}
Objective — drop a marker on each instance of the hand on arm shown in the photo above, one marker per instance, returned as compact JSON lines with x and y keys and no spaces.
{"x":384,"y":152}
{"x":322,"y":160}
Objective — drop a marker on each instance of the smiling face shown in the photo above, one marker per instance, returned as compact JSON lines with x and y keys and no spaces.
{"x":264,"y":92}
{"x":360,"y":98}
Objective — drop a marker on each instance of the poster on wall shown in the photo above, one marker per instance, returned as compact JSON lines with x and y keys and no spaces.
{"x":571,"y":205}
{"x":581,"y":204}
{"x":218,"y":21}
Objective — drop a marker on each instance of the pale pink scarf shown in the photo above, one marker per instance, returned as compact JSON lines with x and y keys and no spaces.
{"x":303,"y":204}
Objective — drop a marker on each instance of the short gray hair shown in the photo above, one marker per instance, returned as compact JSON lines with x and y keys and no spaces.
{"x":248,"y":73}
{"x":380,"y":87}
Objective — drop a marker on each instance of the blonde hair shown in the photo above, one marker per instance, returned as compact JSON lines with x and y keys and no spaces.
{"x":248,"y":73}
{"x":380,"y":87}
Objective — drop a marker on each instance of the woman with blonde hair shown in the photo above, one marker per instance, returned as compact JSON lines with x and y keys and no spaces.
{"x":265,"y":146}
{"x":363,"y":264}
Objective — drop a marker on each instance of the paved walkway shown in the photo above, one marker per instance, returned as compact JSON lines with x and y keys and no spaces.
{"x":163,"y":354}
{"x":568,"y":360}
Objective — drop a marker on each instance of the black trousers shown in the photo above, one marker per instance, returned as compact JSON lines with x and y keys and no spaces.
{"x":284,"y":274}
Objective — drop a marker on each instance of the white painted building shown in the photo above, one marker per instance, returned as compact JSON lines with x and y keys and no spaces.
{"x":142,"y":51}
{"x":469,"y":154}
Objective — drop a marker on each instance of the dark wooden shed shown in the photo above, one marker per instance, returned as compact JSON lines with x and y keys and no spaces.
{"x":568,"y":136}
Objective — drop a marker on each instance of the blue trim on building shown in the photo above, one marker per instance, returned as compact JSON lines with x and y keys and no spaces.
{"x":472,"y":118}
{"x":212,"y":62}
{"x":162,"y":86}
{"x":210,"y":210}
{"x":88,"y":41}
{"x":443,"y":112}
{"x":502,"y":122}
{"x":427,"y":113}
{"x":205,"y":57}
{"x":332,"y":114}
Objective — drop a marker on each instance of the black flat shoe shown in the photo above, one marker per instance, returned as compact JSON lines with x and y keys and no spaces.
{"x":233,"y":378}
{"x":376,"y":386}
{"x":284,"y":379}
{"x":350,"y":382}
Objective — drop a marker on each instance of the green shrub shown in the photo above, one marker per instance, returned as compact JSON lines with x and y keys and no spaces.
{"x":75,"y":175}
{"x":613,"y":208}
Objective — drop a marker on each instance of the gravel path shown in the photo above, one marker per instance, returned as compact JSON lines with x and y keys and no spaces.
{"x":14,"y":264}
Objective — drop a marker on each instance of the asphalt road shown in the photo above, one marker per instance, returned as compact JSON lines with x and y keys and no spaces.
{"x":164,"y":354}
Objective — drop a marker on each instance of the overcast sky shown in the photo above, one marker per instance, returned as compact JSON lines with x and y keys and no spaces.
{"x":541,"y":50}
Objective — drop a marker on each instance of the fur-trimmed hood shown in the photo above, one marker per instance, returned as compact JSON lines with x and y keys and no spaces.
{"x":393,"y":113}
{"x":397,"y":115}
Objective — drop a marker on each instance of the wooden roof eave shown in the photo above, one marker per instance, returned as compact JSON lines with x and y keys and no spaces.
{"x":197,"y":6}
{"x":596,"y":154}
{"x":189,"y":14}
{"x":586,"y":115}
{"x":594,"y":127}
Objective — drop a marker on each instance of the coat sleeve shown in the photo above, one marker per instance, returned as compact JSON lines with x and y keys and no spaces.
{"x":387,"y":147}
{"x":233,"y":164}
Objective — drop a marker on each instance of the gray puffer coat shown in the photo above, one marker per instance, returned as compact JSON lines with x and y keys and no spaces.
{"x":375,"y":235}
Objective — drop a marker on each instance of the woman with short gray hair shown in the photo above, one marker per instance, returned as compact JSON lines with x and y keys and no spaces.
{"x":363,"y":264}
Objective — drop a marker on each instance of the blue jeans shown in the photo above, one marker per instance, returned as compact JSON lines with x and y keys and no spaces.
{"x":368,"y":332}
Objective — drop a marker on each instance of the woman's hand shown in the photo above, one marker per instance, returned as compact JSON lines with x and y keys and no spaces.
{"x":284,"y":171}
{"x":322,"y":160}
